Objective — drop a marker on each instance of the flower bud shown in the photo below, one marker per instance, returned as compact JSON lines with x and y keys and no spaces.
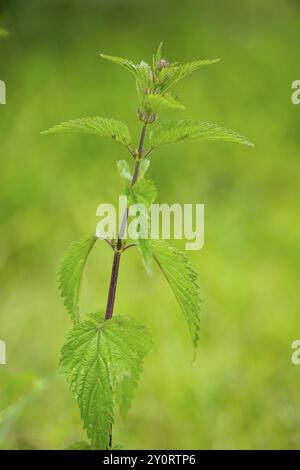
{"x":162,"y":64}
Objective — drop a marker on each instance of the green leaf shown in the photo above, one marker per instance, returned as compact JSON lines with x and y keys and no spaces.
{"x":144,"y":81}
{"x":154,"y":102}
{"x":104,"y":127}
{"x":178,"y":72}
{"x":124,"y":170}
{"x":144,"y":166}
{"x":127,"y":64}
{"x":70,"y":273}
{"x":157,"y":56}
{"x":183,"y":280}
{"x":102,"y":361}
{"x":142,"y":72}
{"x":133,"y":342}
{"x":84,"y":361}
{"x":146,"y":253}
{"x":174,"y":131}
{"x":125,"y":173}
{"x":144,"y":193}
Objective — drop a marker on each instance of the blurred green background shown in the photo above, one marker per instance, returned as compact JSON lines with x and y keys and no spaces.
{"x":242,"y":391}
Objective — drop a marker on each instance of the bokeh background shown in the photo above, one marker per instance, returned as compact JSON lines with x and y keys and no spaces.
{"x":242,"y":391}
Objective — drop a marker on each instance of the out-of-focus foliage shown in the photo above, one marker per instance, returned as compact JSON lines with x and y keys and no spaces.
{"x":3,"y":33}
{"x":10,"y":415}
{"x":242,"y":391}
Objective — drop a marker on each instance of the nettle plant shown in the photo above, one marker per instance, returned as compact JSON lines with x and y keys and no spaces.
{"x":103,"y":354}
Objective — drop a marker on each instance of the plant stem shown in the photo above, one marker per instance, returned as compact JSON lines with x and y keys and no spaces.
{"x":135,"y":173}
{"x":117,"y":256}
{"x":113,"y":285}
{"x":118,"y":249}
{"x":142,"y":139}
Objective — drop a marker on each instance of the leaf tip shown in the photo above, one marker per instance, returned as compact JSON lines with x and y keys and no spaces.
{"x":250,"y":144}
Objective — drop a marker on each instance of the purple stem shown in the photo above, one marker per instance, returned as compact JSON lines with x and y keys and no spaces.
{"x":117,"y":256}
